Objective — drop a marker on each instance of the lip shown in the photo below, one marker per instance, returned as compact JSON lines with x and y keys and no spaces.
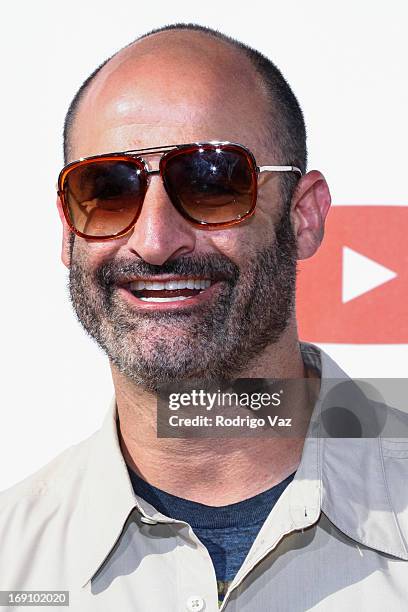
{"x":186,"y":304}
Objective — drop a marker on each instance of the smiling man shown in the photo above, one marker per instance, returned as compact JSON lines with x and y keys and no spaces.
{"x":185,"y":205}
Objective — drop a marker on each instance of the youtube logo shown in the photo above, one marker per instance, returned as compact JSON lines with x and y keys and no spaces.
{"x":354,"y":290}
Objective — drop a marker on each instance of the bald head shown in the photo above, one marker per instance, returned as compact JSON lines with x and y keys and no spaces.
{"x":189,"y":77}
{"x":177,"y":80}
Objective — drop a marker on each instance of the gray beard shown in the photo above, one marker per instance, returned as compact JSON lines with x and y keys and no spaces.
{"x":215,"y":340}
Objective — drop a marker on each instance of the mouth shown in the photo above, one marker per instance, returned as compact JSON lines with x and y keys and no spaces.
{"x":168,"y":293}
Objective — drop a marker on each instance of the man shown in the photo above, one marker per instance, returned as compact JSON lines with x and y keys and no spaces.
{"x":178,"y":276}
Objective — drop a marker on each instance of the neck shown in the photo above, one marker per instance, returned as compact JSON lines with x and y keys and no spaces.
{"x":205,"y":470}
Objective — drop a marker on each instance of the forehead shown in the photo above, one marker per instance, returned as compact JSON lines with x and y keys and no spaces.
{"x":171,"y":88}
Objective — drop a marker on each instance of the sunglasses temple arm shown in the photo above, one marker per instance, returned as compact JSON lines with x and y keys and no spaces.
{"x":280,"y":169}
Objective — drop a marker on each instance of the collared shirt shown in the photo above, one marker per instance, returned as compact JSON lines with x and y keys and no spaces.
{"x":336,"y":538}
{"x":226,"y":531}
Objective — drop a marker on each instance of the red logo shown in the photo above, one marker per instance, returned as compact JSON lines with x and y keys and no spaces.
{"x":355,"y":288}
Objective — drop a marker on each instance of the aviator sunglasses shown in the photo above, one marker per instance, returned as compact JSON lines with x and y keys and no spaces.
{"x":212,"y":185}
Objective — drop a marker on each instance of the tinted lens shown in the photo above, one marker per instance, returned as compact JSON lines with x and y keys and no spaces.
{"x":104,"y":197}
{"x":213,"y":184}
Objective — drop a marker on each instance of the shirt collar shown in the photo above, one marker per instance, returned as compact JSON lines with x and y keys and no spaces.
{"x":348,"y":473}
{"x":107,"y":499}
{"x":343,"y":477}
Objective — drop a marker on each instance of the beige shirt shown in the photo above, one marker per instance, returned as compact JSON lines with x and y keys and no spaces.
{"x":335,"y":540}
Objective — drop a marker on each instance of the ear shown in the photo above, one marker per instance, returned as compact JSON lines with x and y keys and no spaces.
{"x":309,"y":207}
{"x":66,"y":236}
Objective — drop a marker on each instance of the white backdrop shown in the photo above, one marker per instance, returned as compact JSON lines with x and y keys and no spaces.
{"x":347,"y":63}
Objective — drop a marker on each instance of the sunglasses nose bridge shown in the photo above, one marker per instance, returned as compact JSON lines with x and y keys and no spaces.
{"x":151,"y":163}
{"x":150,"y":174}
{"x":149,"y":168}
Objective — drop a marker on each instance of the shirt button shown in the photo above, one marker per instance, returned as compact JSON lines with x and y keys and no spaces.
{"x":195,"y":603}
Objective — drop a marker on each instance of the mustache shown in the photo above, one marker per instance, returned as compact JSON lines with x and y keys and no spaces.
{"x":212,"y":266}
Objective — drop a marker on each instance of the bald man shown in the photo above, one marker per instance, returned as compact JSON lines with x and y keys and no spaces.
{"x":181,"y":249}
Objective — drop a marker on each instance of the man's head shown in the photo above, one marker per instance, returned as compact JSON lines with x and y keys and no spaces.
{"x":182,"y":86}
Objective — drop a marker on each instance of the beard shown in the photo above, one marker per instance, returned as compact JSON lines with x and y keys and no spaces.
{"x":213,"y":341}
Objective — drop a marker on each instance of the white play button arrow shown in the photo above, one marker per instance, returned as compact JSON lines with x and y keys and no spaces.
{"x":361,"y":274}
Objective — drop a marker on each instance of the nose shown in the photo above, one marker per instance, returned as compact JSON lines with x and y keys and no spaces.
{"x":160,"y":233}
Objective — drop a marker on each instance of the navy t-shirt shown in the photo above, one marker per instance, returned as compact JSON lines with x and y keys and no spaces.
{"x":226,"y":531}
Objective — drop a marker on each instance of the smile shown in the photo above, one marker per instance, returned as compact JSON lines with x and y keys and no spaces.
{"x":172,"y":290}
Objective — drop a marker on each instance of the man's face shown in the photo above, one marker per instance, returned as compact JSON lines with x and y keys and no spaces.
{"x":155,"y":95}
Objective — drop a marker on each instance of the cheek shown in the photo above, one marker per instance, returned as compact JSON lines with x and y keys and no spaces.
{"x":269,"y":205}
{"x":242,"y":242}
{"x":93,"y":254}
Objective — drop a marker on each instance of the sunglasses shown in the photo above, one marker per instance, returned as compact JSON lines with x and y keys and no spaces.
{"x":212,"y":185}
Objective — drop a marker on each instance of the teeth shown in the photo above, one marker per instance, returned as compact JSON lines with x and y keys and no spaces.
{"x":163,"y":299}
{"x":170,"y":285}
